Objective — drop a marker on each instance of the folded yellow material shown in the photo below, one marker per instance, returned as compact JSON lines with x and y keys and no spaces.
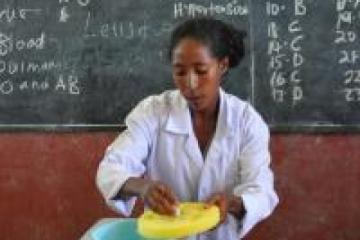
{"x":194,"y":218}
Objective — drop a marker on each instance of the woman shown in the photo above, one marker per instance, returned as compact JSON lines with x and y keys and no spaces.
{"x":196,"y":143}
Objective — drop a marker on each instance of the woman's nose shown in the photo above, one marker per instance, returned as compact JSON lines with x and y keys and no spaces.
{"x":193,"y":81}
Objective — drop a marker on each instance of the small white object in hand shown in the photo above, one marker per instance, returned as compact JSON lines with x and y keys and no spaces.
{"x":177,"y":211}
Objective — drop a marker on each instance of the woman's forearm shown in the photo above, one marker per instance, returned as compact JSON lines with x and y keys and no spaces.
{"x":134,"y":186}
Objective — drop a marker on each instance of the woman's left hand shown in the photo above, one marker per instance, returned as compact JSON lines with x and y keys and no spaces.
{"x":227,"y":204}
{"x":220,"y":200}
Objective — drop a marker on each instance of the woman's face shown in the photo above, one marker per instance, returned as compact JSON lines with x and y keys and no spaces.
{"x":197,"y":74}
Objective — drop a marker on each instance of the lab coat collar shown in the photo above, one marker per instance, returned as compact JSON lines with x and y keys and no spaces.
{"x":225,"y":122}
{"x":179,"y":120}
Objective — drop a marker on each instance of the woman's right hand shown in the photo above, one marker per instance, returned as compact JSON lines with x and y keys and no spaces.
{"x":160,"y":198}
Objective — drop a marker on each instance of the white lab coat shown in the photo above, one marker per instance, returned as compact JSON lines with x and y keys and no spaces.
{"x":159,"y":142}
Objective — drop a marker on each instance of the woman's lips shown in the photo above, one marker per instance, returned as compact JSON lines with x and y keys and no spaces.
{"x":193,"y":99}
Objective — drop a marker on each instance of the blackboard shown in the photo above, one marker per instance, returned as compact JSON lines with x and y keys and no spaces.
{"x":84,"y":64}
{"x":307,"y":64}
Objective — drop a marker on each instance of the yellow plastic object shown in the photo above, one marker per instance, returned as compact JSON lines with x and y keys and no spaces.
{"x":194,"y":218}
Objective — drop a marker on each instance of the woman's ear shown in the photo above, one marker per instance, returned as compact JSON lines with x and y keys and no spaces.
{"x":224,"y":65}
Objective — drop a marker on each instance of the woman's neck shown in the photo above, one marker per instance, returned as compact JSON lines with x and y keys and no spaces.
{"x":204,"y":126}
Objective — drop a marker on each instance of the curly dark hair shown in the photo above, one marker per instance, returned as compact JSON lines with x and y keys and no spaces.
{"x":223,"y":39}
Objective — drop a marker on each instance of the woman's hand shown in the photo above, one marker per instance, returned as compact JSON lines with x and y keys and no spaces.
{"x":227,"y":204}
{"x":160,"y":198}
{"x":221,"y":201}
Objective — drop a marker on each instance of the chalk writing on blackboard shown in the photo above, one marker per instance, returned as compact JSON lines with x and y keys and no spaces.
{"x":233,"y":8}
{"x":285,"y":88}
{"x":349,"y":57}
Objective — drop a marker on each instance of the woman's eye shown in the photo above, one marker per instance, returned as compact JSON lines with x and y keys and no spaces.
{"x":180,"y":73}
{"x":201,"y":72}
